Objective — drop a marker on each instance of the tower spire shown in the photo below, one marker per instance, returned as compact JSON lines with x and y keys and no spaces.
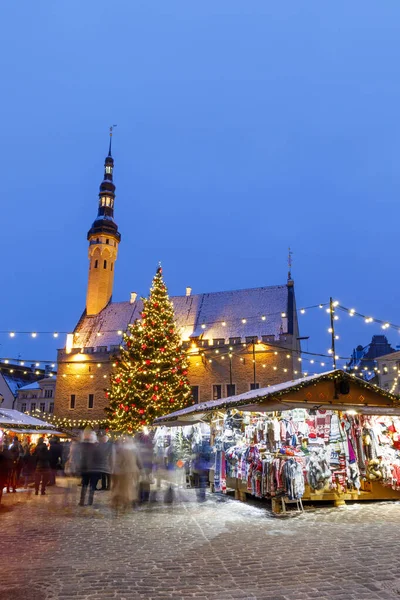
{"x":111,"y":133}
{"x":290,"y":263}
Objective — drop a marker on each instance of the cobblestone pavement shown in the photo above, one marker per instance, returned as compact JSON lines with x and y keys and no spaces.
{"x":221,"y":549}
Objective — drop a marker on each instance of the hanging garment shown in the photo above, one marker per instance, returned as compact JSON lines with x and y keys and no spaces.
{"x":335,"y":433}
{"x":217,"y":473}
{"x":293,"y":479}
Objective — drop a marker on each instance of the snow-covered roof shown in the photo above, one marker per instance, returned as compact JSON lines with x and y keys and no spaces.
{"x":31,"y":386}
{"x":37,"y":385}
{"x":213,"y":315}
{"x":14,"y":418}
{"x":14,"y":382}
{"x":255,"y":397}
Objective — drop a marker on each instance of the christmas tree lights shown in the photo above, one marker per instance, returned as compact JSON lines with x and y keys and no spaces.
{"x":150,"y":377}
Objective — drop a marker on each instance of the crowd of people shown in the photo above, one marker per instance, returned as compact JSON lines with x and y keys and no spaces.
{"x":126,"y":467}
{"x":27,"y":464}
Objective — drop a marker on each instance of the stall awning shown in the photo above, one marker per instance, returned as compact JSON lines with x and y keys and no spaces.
{"x":14,"y":418}
{"x":38,"y":431}
{"x":334,"y":390}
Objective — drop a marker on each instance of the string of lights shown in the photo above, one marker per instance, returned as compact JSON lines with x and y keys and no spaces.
{"x":368,"y":319}
{"x":224,"y":322}
{"x":65,"y":422}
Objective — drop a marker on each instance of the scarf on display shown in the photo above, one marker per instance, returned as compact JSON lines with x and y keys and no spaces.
{"x":217,"y":474}
{"x":223,"y":473}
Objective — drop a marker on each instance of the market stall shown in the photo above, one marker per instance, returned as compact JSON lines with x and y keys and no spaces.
{"x":25,"y":427}
{"x":327,"y":437}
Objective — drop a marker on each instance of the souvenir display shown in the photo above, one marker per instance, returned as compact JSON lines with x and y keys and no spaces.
{"x":279,"y":454}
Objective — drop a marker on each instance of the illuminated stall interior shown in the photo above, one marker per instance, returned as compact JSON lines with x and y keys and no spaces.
{"x":327,"y":437}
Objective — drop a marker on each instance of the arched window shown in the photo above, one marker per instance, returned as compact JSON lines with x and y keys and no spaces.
{"x":105,"y":264}
{"x":96,"y":264}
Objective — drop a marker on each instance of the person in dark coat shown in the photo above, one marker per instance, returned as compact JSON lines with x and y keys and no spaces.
{"x":55,"y":451}
{"x":91,"y":466}
{"x":4,"y":468}
{"x":105,"y":447}
{"x":7,"y":464}
{"x":17,"y":453}
{"x":42,"y":460}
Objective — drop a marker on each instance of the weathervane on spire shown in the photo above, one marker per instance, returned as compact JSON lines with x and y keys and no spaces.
{"x":290,"y":262}
{"x":111,"y":132}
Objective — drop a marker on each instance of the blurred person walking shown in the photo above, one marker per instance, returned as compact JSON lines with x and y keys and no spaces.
{"x":42,"y":469}
{"x":72,"y":461}
{"x":28,"y":464}
{"x":125,"y":476}
{"x":90,"y":465}
{"x":144,"y":445}
{"x":202,"y":461}
{"x":55,"y":458}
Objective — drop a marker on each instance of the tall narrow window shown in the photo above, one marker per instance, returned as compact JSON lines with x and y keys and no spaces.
{"x":51,"y":408}
{"x":72,"y":401}
{"x":112,"y":266}
{"x":42,"y":406}
{"x":91,"y":401}
{"x":107,"y":241}
{"x":195,"y":393}
{"x":23,"y":407}
{"x":105,"y":264}
{"x":230,"y":389}
{"x":96,"y":264}
{"x":217,"y":392}
{"x":33,"y":406}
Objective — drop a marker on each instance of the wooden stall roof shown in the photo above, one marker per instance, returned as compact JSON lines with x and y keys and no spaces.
{"x":335,"y":390}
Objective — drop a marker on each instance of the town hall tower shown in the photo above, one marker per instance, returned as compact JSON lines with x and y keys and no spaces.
{"x":104,"y":238}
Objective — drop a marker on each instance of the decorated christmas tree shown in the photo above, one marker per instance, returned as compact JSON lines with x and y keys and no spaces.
{"x":150,"y":375}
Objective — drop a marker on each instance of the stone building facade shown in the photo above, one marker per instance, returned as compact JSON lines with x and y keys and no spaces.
{"x":38,"y":395}
{"x":235,"y":340}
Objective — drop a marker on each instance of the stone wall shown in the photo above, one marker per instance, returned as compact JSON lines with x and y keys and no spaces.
{"x":83,"y":374}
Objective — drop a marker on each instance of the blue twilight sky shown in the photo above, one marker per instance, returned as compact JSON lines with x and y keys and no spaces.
{"x":243,"y":128}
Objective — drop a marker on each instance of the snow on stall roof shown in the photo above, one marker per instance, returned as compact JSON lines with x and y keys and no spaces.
{"x":257,"y":396}
{"x":242,"y":399}
{"x":13,"y":417}
{"x":193,"y":311}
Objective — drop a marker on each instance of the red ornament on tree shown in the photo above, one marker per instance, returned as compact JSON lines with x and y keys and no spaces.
{"x":148,"y":362}
{"x":162,"y":349}
{"x":141,"y":411}
{"x":144,"y":346}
